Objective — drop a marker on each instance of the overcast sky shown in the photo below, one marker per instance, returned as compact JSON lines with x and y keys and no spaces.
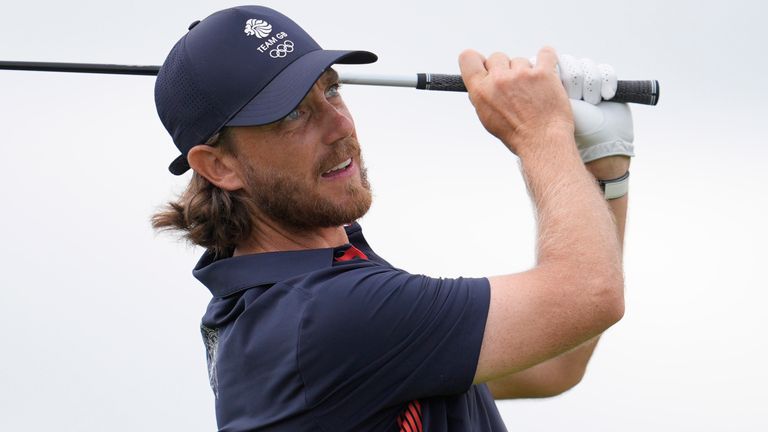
{"x":100,"y":316}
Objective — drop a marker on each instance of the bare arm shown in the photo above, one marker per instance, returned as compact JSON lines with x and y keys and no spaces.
{"x":554,"y":376}
{"x":575,"y":291}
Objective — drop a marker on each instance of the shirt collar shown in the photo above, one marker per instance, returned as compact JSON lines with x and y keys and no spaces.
{"x":228,"y":275}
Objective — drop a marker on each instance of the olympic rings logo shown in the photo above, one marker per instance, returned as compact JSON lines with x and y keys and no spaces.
{"x":282,"y":50}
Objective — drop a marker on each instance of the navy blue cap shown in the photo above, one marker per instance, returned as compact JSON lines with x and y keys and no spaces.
{"x":243,"y":66}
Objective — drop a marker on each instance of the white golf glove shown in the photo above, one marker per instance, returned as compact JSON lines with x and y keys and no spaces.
{"x":603,"y":130}
{"x":583,"y":79}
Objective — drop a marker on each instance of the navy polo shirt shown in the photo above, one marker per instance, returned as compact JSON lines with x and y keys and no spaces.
{"x":337,"y":339}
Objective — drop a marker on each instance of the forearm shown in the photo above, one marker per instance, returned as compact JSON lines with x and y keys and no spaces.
{"x":577,"y":237}
{"x":576,"y":285}
{"x":546,"y":379}
{"x":554,"y":376}
{"x":575,"y":291}
{"x":610,"y":168}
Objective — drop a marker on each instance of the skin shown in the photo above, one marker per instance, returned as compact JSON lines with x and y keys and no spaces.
{"x":575,"y":291}
{"x":301,"y":146}
{"x":542,"y":324}
{"x":561,"y":373}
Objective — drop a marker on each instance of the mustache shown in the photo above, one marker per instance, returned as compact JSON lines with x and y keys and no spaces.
{"x":341,"y":150}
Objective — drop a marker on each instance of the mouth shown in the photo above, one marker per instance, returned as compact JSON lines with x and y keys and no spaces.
{"x":339,"y":169}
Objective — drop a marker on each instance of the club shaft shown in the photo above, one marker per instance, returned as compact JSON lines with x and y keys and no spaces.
{"x":96,"y":68}
{"x":410,"y":81}
{"x":643,"y":92}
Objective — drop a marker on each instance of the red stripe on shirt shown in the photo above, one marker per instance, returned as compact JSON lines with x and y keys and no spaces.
{"x":410,"y":419}
{"x":352,"y":253}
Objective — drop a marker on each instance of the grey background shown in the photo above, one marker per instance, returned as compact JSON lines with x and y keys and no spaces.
{"x":100,"y":315}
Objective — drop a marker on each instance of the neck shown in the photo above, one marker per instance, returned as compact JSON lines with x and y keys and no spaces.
{"x":270,"y":236}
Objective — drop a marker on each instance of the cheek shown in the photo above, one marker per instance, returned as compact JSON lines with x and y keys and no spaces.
{"x":298,"y":165}
{"x":294,"y":166}
{"x":284,"y":155}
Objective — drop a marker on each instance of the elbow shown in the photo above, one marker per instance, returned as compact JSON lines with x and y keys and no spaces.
{"x":568,"y":375}
{"x":596,"y":293}
{"x":558,"y":383}
{"x":608,"y":300}
{"x":561,"y":388}
{"x":615,"y":301}
{"x":619,"y":309}
{"x":609,"y":296}
{"x":571,"y":374}
{"x":565,"y":386}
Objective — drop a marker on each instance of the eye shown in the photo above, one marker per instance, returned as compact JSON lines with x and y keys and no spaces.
{"x":333,"y":91}
{"x":293,"y":115}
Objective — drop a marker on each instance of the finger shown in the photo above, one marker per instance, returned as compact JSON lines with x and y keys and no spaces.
{"x":471,"y":64}
{"x":571,"y":76}
{"x":592,"y":82}
{"x":609,"y":81}
{"x":546,"y":59}
{"x":534,"y":62}
{"x":519,"y":63}
{"x":497,"y":60}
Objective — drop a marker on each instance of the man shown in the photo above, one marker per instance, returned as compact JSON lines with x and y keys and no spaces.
{"x":308,"y":328}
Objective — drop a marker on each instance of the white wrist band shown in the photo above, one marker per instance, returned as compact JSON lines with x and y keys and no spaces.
{"x":615,"y":188}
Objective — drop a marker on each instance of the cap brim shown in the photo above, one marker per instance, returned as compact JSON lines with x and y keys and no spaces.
{"x":179,"y":165}
{"x":284,"y":93}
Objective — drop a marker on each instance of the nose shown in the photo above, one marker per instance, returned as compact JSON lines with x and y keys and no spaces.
{"x":334,"y":118}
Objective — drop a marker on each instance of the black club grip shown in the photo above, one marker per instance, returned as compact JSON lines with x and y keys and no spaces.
{"x":641,"y":92}
{"x":441,"y":82}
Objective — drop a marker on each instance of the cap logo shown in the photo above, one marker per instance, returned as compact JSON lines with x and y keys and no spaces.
{"x":282,"y":50}
{"x":258,"y":28}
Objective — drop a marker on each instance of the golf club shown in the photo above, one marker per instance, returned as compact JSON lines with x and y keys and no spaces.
{"x":640,"y":92}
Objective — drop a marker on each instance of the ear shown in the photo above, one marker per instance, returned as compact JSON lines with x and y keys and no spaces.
{"x":217,"y":168}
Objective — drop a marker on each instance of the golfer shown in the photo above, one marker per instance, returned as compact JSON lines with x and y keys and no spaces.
{"x":309,"y":329}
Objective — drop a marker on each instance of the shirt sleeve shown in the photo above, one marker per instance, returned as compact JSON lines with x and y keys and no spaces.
{"x":373,"y":337}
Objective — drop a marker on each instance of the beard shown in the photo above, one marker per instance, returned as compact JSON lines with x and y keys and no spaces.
{"x":297,"y":205}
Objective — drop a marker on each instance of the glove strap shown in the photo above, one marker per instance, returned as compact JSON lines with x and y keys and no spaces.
{"x":615,"y":188}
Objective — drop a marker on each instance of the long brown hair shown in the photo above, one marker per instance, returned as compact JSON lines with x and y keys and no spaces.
{"x":207,"y":215}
